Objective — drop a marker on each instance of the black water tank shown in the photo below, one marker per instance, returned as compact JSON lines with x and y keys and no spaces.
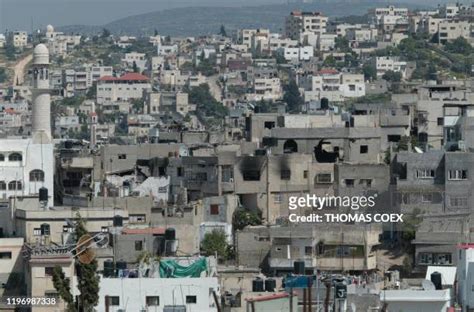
{"x":118,"y":221}
{"x":43,"y":194}
{"x":108,"y":268}
{"x":170,"y":234}
{"x":257,"y":285}
{"x":121,"y":265}
{"x":436,"y":279}
{"x":298,"y":267}
{"x":270,"y":284}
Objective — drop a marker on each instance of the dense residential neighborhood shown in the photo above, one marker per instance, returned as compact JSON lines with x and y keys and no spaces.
{"x":325,"y":167}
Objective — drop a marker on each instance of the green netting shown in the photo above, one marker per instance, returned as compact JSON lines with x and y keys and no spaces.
{"x":170,"y":268}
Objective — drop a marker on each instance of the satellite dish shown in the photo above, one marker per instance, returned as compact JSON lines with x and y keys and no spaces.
{"x":428,"y":285}
{"x":84,"y":253}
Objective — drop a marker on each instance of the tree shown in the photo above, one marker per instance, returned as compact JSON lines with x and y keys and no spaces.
{"x":460,"y":46}
{"x":135,"y":67}
{"x":329,"y":61}
{"x":222,"y":31}
{"x":342,"y":44}
{"x":87,"y":279}
{"x":292,"y":97}
{"x":215,"y":242}
{"x":243,"y":218}
{"x":392,"y":76}
{"x":105,"y":33}
{"x":206,"y":103}
{"x":3,"y":75}
{"x":369,"y":71}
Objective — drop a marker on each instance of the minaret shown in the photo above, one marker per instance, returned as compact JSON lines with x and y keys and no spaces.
{"x":41,"y":116}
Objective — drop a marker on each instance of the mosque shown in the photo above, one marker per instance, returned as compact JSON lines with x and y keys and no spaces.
{"x":27,"y":164}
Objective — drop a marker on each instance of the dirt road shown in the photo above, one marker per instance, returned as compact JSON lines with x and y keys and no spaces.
{"x":19,"y":70}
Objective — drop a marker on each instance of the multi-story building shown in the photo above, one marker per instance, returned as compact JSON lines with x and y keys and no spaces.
{"x":20,"y":39}
{"x":305,"y":22}
{"x":449,"y":30}
{"x":121,"y":89}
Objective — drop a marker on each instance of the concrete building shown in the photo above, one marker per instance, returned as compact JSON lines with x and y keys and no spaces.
{"x":305,"y":22}
{"x":298,"y":54}
{"x":449,"y":30}
{"x":388,"y":63}
{"x":417,"y":300}
{"x":121,"y":89}
{"x":20,"y":39}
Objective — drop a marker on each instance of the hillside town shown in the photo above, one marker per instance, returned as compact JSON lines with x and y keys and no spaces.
{"x":161,"y":173}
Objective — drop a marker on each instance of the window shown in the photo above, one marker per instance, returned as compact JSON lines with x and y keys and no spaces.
{"x":180,"y":171}
{"x":227,"y":173}
{"x":349,"y":182}
{"x":440,"y":121}
{"x":3,"y":186}
{"x":152,"y":301}
{"x":45,"y":229}
{"x":305,"y":174}
{"x":427,"y":197}
{"x":425,"y":173}
{"x":36,"y":232}
{"x":214,"y":209}
{"x":15,"y":185}
{"x":251,"y":175}
{"x":5,"y":255}
{"x":364,"y":149}
{"x":15,"y":157}
{"x":458,"y":201}
{"x":457,"y":174}
{"x":277,"y":198}
{"x":36,"y":175}
{"x":308,"y":250}
{"x":323,"y":178}
{"x":122,"y":156}
{"x":285,"y":174}
{"x":269,"y":124}
{"x":191,"y":299}
{"x":113,"y":300}
{"x":48,"y":271}
{"x":138,"y":245}
{"x":138,"y":218}
{"x":2,"y":157}
{"x":365,"y":182}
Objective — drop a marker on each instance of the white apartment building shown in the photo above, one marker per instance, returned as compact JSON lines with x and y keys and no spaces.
{"x":10,"y":257}
{"x":20,"y":39}
{"x":326,"y":42}
{"x":298,"y":54}
{"x":3,"y":40}
{"x":300,"y":22}
{"x":355,"y":35}
{"x":389,"y":63}
{"x":166,"y":50}
{"x":452,"y":29}
{"x":121,"y":89}
{"x":276,"y":44}
{"x":155,"y":294}
{"x":155,"y":40}
{"x":332,"y":85}
{"x":379,"y":13}
{"x":139,"y":59}
{"x":266,"y":89}
{"x":245,"y":36}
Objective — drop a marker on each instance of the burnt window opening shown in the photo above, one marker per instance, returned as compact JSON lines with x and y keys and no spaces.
{"x":214,"y":209}
{"x":394,"y":138}
{"x":285,"y":174}
{"x":290,"y":146}
{"x":122,"y":156}
{"x":269,"y":124}
{"x":251,"y":175}
{"x":364,"y":149}
{"x":349,"y":182}
{"x":323,"y":156}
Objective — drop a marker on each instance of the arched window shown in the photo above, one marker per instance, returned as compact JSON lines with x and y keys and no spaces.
{"x":15,"y":157}
{"x":290,"y":146}
{"x":3,"y":186}
{"x":2,"y":157}
{"x":14,"y":185}
{"x":36,"y":175}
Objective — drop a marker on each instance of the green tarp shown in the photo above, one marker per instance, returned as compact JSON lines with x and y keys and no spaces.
{"x":170,"y":268}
